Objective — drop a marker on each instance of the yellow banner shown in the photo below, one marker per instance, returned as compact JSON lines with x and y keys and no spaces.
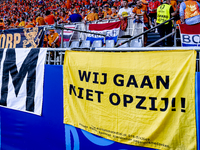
{"x":138,"y":98}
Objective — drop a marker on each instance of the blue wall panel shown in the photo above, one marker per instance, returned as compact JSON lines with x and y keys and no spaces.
{"x":25,"y":131}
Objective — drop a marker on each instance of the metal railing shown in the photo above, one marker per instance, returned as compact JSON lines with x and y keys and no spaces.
{"x":145,"y":33}
{"x":57,"y":57}
{"x":82,"y":29}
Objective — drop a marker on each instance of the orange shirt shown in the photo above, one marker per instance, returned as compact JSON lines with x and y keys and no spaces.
{"x":114,"y":15}
{"x":2,"y":25}
{"x":99,"y":3}
{"x":51,"y":38}
{"x":12,"y":25}
{"x":86,"y":2}
{"x":116,"y":4}
{"x":192,"y":9}
{"x":108,"y":12}
{"x":173,"y":3}
{"x":140,"y":10}
{"x":144,"y":2}
{"x":68,"y":4}
{"x":92,"y":17}
{"x":49,"y":19}
{"x":29,"y":26}
{"x":40,"y":21}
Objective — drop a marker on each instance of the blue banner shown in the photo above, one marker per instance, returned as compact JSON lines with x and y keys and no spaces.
{"x":22,"y":38}
{"x":22,"y":131}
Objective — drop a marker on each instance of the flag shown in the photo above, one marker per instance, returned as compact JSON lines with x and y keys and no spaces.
{"x":67,"y":34}
{"x":21,"y":79}
{"x":111,"y":30}
{"x":190,"y":35}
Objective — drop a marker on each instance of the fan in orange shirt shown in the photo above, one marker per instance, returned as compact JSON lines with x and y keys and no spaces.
{"x":99,"y":3}
{"x":114,"y":14}
{"x":86,"y":3}
{"x":116,"y":3}
{"x":53,"y":39}
{"x":30,"y":25}
{"x":12,"y":25}
{"x":39,"y":20}
{"x":63,"y":17}
{"x":92,"y":16}
{"x":141,"y":10}
{"x":68,"y":4}
{"x":49,"y":19}
{"x":173,"y":4}
{"x":1,"y":24}
{"x":107,"y":11}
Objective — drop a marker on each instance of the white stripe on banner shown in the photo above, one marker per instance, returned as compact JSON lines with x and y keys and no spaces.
{"x":190,"y":39}
{"x":21,"y":79}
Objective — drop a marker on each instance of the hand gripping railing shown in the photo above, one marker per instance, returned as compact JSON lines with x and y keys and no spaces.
{"x":143,"y":33}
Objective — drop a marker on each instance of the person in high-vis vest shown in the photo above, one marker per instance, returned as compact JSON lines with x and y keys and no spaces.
{"x":190,"y":12}
{"x":164,"y":13}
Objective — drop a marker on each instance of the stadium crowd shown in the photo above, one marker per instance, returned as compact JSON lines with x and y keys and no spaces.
{"x":30,"y":13}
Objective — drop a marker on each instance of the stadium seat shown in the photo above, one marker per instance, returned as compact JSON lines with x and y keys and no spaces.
{"x":75,"y":44}
{"x":110,"y":43}
{"x":66,"y":44}
{"x":136,"y":43}
{"x":97,"y":44}
{"x":124,"y":45}
{"x":85,"y":44}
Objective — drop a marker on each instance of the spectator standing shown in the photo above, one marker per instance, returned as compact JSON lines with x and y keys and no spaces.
{"x":126,"y":11}
{"x":107,"y":11}
{"x":75,"y":17}
{"x":49,"y":19}
{"x":174,"y":4}
{"x":164,"y":13}
{"x":92,"y":15}
{"x":153,"y":5}
{"x":114,"y":13}
{"x":141,"y":10}
{"x":190,"y":12}
{"x":39,"y":20}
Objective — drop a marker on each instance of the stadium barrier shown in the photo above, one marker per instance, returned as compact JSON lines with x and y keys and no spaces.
{"x":58,"y":54}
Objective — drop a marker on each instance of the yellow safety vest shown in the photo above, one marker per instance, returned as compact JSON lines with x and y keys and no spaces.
{"x":163,"y":13}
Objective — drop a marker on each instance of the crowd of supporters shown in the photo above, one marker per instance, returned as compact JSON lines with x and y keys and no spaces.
{"x":30,"y":13}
